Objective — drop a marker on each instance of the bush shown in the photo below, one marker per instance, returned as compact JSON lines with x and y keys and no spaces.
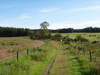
{"x":40,"y":34}
{"x":34,"y":35}
{"x":57,"y":37}
{"x":80,"y":38}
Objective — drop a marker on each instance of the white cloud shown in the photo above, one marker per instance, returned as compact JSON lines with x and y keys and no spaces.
{"x":25,"y":16}
{"x":58,"y":25}
{"x":95,"y":23}
{"x":49,"y":10}
{"x":82,"y":9}
{"x":6,"y":21}
{"x":78,"y":9}
{"x":87,"y":8}
{"x":1,"y":17}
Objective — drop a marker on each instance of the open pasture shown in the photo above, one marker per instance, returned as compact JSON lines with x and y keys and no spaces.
{"x":75,"y":58}
{"x":10,"y":45}
{"x":89,"y":36}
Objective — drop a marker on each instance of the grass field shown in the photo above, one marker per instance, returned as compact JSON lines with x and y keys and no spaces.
{"x":71,"y":59}
{"x":86,"y":35}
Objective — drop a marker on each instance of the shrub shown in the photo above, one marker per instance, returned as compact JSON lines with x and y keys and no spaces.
{"x":80,"y":38}
{"x":40,"y":34}
{"x":57,"y":37}
{"x":67,"y":40}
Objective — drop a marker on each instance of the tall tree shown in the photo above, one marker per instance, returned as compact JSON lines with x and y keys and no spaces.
{"x":44,"y":32}
{"x":44,"y":25}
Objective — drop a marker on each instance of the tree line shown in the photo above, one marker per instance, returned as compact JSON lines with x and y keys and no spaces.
{"x":71,"y":30}
{"x":13,"y":32}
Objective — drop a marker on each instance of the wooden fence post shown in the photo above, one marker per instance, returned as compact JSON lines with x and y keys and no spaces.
{"x":27,"y":52}
{"x":17,"y":56}
{"x":90,"y":55}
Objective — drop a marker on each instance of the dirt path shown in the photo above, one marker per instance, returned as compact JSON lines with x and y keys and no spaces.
{"x":58,"y":66}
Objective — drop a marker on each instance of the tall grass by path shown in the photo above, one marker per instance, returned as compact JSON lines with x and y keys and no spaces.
{"x":85,"y":66}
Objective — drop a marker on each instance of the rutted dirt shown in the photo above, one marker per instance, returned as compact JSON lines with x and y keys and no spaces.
{"x":46,"y":72}
{"x":58,"y":66}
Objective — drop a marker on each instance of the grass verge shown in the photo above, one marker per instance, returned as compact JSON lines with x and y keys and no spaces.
{"x":80,"y":65}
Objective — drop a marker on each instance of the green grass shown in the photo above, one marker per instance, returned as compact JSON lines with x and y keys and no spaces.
{"x":9,"y":43}
{"x":38,"y":58}
{"x":32,"y":64}
{"x":85,"y":67}
{"x":68,"y":62}
{"x":78,"y":64}
{"x":86,"y":35}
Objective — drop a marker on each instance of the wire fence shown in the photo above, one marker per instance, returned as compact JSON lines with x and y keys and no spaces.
{"x":17,"y":54}
{"x":88,"y":54}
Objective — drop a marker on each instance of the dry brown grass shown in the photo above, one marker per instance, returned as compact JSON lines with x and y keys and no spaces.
{"x":25,"y":43}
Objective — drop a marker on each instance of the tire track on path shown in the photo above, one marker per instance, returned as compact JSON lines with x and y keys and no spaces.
{"x":58,"y":65}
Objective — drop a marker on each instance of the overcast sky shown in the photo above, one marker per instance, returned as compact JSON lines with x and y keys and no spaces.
{"x":58,"y":13}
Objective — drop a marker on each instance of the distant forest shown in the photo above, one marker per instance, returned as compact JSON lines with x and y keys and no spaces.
{"x":71,"y":30}
{"x":14,"y":32}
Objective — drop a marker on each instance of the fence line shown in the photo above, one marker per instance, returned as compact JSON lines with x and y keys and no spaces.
{"x":90,"y":56}
{"x":17,"y":55}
